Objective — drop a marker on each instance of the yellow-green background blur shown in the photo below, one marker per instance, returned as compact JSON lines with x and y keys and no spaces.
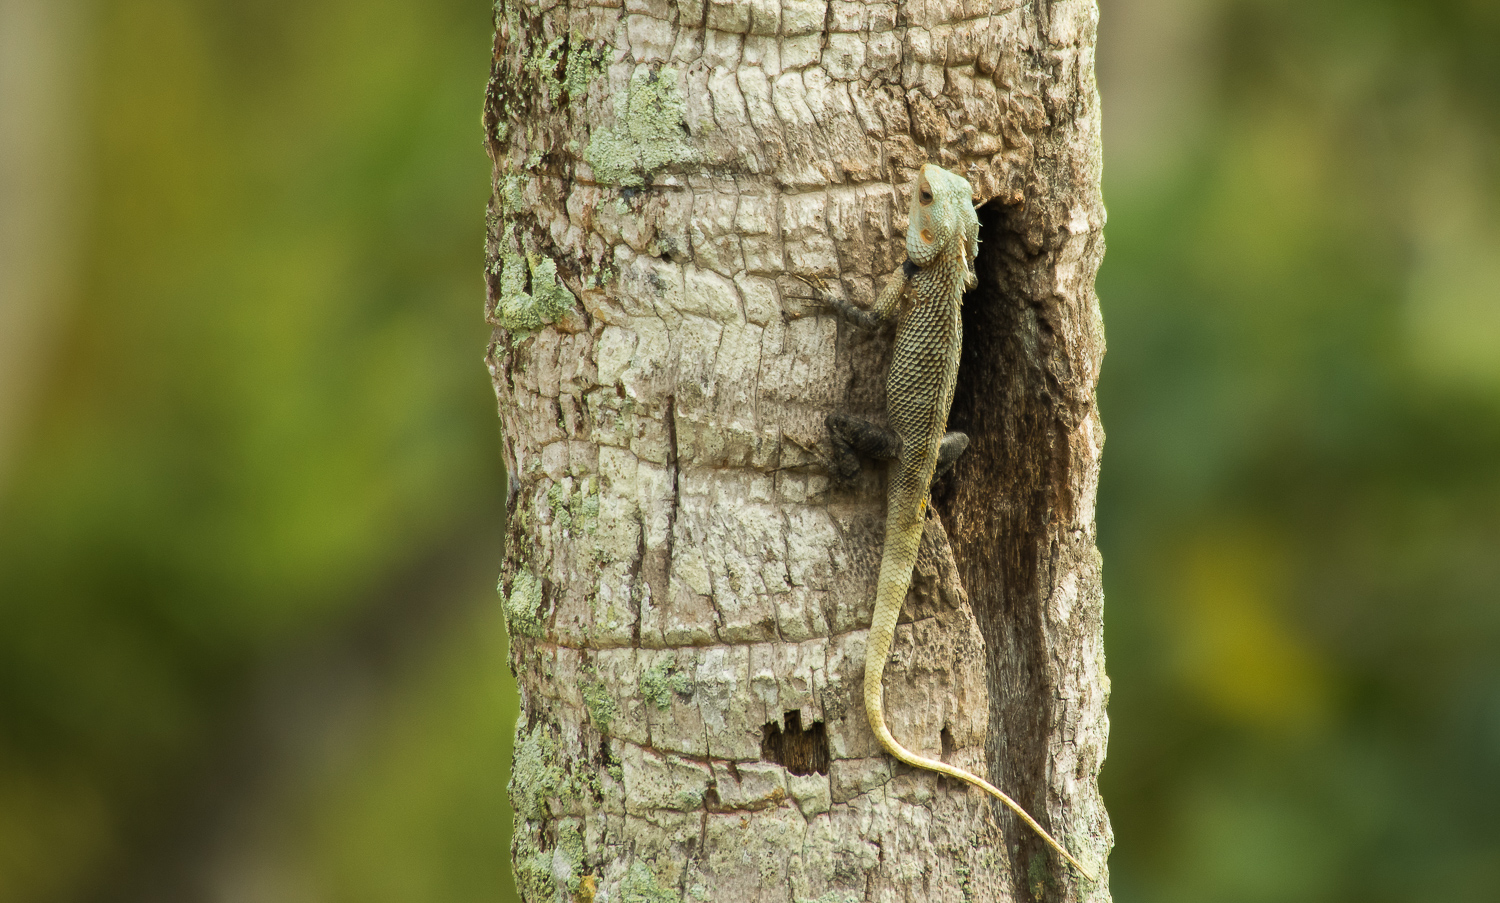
{"x":250,"y":488}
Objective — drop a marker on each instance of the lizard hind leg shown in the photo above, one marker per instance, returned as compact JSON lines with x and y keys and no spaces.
{"x":852,"y":437}
{"x":953,"y":445}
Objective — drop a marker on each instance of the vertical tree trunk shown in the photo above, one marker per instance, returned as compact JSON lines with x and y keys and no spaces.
{"x":687,"y":599}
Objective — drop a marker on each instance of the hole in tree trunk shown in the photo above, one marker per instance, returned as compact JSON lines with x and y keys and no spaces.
{"x":1008,"y":491}
{"x":800,"y":751}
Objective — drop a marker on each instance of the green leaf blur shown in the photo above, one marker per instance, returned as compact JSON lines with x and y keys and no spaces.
{"x":1300,"y":507}
{"x":249,"y":646}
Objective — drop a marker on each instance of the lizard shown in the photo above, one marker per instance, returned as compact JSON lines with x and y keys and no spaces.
{"x":942,"y":242}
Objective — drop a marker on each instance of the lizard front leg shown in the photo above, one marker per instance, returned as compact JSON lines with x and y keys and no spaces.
{"x":852,"y":436}
{"x":885,"y":305}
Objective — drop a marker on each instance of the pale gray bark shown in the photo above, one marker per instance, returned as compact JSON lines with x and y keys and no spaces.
{"x":688,"y":601}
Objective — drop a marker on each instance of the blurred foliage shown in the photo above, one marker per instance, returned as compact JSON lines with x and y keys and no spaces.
{"x":265,"y":430}
{"x":1300,"y":508}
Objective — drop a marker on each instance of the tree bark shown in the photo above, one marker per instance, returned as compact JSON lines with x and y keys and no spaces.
{"x":688,"y":599}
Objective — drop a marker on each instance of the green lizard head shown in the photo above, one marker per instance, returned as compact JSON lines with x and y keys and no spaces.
{"x":942,"y":220}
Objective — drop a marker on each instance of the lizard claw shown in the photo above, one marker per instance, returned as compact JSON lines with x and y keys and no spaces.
{"x":816,"y":283}
{"x":841,"y":306}
{"x":820,"y":461}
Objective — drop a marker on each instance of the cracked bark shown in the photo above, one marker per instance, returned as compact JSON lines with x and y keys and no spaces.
{"x":688,"y":602}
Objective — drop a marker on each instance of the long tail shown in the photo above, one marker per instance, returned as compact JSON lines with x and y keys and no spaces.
{"x":901,"y":542}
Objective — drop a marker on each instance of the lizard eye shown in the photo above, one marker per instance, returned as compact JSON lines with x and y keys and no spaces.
{"x":926,"y":196}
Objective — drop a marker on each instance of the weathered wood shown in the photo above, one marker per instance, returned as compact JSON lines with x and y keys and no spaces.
{"x":687,"y":599}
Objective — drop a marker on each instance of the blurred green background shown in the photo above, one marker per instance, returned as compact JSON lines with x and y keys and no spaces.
{"x":1300,"y":505}
{"x":251,"y":491}
{"x":250,"y":483}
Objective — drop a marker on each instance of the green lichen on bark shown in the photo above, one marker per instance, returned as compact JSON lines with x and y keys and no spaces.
{"x":587,"y":514}
{"x":650,"y":131}
{"x":543,"y":63}
{"x":585,"y":66}
{"x":510,"y":192}
{"x":535,"y":776}
{"x":640,"y":886}
{"x":523,"y":605}
{"x":599,"y":702}
{"x":557,"y":500}
{"x":541,"y":875}
{"x":577,"y":510}
{"x":521,"y":311}
{"x":582,"y":63}
{"x":568,"y":857}
{"x":534,"y":874}
{"x":531,"y":296}
{"x":660,"y":681}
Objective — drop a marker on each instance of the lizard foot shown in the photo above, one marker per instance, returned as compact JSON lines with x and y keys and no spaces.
{"x":852,"y":437}
{"x":953,"y":445}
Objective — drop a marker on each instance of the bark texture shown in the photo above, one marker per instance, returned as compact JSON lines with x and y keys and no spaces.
{"x":687,"y":599}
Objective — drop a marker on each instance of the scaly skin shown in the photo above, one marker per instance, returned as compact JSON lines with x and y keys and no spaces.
{"x":942,"y":241}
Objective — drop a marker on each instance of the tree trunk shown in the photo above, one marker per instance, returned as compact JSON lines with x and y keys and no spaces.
{"x":688,"y":599}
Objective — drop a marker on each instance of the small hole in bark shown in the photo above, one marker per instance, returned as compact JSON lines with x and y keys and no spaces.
{"x":800,"y":751}
{"x":949,"y":747}
{"x":606,"y":757}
